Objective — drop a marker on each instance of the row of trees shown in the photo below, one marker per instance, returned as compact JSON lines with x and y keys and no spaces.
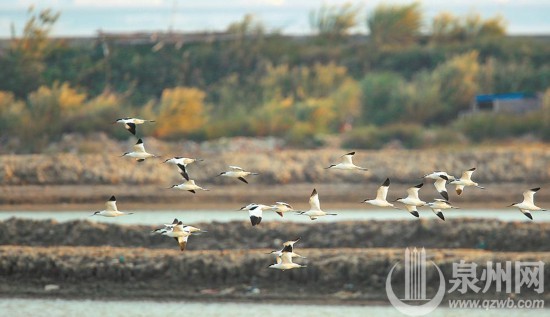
{"x":257,"y":83}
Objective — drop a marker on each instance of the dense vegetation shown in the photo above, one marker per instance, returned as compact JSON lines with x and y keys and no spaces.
{"x":398,"y":83}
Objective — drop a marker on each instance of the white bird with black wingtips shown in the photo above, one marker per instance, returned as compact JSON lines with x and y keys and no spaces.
{"x":465,"y":180}
{"x":315,"y":211}
{"x":346,"y":163}
{"x":440,"y":186}
{"x":436,"y":175}
{"x":288,"y":247}
{"x":139,"y":152}
{"x":281,"y":207}
{"x":412,"y":196}
{"x":170,"y":226}
{"x":284,"y":262}
{"x":528,"y":203}
{"x":438,"y":205}
{"x":255,"y":212}
{"x":381,"y":195}
{"x":182,"y":162}
{"x":130,"y":123}
{"x":189,"y":184}
{"x":181,"y":233}
{"x":111,"y":209}
{"x":237,"y":172}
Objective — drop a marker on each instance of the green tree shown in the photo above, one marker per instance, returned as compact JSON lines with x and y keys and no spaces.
{"x":395,"y":25}
{"x":447,"y":27}
{"x":383,"y":97}
{"x":334,"y":22}
{"x":23,"y":65}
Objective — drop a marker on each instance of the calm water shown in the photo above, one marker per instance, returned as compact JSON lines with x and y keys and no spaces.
{"x":148,"y":217}
{"x":84,"y":308}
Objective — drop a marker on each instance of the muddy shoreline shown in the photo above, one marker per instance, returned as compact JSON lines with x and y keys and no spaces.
{"x":334,"y":274}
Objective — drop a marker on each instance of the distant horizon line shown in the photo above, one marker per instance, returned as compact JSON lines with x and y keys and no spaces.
{"x":222,"y":32}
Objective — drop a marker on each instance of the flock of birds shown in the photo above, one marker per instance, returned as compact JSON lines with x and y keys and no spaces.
{"x":181,"y":232}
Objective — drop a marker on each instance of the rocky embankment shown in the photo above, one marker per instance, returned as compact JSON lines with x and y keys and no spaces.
{"x":459,"y":233}
{"x":331,"y":274}
{"x":346,"y":261}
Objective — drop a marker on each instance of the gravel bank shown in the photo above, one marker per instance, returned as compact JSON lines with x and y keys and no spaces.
{"x":331,"y":274}
{"x":464,"y":233}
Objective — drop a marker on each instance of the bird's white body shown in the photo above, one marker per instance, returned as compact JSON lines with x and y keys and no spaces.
{"x":130,"y":123}
{"x":412,"y":199}
{"x":181,"y":233}
{"x":315,"y":211}
{"x":440,"y":186}
{"x":438,"y":205}
{"x":528,"y":203}
{"x":182,"y":160}
{"x":111,"y":210}
{"x":465,"y":180}
{"x":281,"y":207}
{"x":139,"y":152}
{"x":288,"y":247}
{"x":381,"y":195}
{"x":284,"y":262}
{"x":188,"y":186}
{"x":255,"y":212}
{"x":346,"y":163}
{"x":437,"y":175}
{"x":133,"y":120}
{"x":237,"y":172}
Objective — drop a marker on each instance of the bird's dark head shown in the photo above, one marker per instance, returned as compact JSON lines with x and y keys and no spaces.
{"x":172,"y":186}
{"x":96,"y":213}
{"x":331,"y":165}
{"x":125,"y":154}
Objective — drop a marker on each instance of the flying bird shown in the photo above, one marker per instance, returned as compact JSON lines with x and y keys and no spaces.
{"x":182,"y":163}
{"x":381,"y":195}
{"x":139,"y":152}
{"x":436,"y":175}
{"x":438,"y":205}
{"x":465,"y":180}
{"x":284,"y":262}
{"x":237,"y":172}
{"x":412,"y":197}
{"x":130,"y":123}
{"x":189,"y":185}
{"x":314,"y":211}
{"x":255,"y":212}
{"x":288,"y":247}
{"x":440,"y":186}
{"x":528,"y":203}
{"x":180,"y":233}
{"x":346,"y":163}
{"x":111,"y":209}
{"x":281,"y":207}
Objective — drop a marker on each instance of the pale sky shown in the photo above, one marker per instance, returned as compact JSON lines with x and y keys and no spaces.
{"x":86,"y":17}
